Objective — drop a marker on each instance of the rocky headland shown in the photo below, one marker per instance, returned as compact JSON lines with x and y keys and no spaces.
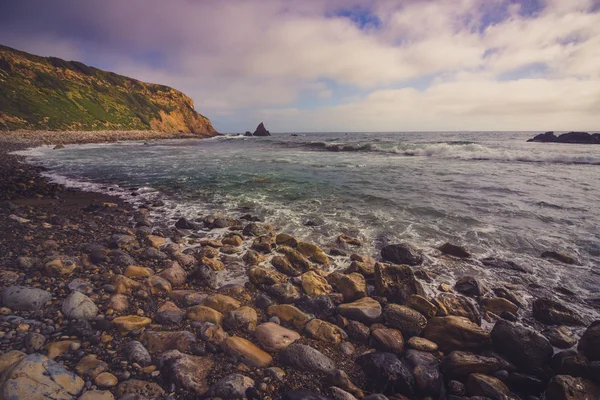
{"x":100,"y":300}
{"x":570,"y":137}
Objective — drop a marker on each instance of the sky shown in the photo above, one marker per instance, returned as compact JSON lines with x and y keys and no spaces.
{"x":340,"y":65}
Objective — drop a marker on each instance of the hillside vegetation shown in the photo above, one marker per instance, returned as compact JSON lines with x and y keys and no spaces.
{"x":48,"y":93}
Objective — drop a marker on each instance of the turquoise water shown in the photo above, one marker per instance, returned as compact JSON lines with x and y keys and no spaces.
{"x":492,"y":192}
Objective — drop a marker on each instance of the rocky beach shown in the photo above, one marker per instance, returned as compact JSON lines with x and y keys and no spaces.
{"x":102,"y":300}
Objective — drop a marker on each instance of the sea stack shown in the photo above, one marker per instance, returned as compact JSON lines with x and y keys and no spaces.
{"x":261,"y":130}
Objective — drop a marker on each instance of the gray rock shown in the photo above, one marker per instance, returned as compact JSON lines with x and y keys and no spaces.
{"x":305,"y":358}
{"x":150,"y":253}
{"x":25,"y":298}
{"x":78,"y":306}
{"x":34,"y":342}
{"x":81,"y":285}
{"x":385,"y":373}
{"x":401,"y":254}
{"x":233,"y":386}
{"x":136,"y":352}
{"x":407,"y":320}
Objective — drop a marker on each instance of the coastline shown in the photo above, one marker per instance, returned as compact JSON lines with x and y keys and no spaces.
{"x":46,"y":220}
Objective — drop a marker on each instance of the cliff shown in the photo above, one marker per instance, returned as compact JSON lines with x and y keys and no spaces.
{"x":47,"y":93}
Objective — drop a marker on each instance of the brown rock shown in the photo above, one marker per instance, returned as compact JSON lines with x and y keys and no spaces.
{"x":396,"y":282}
{"x":487,"y":386}
{"x":283,"y":265}
{"x":244,"y":318}
{"x":461,"y":363}
{"x":214,"y":264}
{"x":388,"y":340}
{"x":264,"y":244}
{"x":144,"y":389}
{"x":366,"y":310}
{"x":124,"y":285}
{"x":324,"y":331}
{"x":159,"y":342}
{"x":264,"y":276}
{"x":247,"y":352}
{"x":273,"y":337}
{"x":564,"y":387}
{"x":61,"y":266}
{"x":134,"y":271}
{"x":175,"y":274}
{"x":422,"y":305}
{"x":289,"y":314}
{"x":498,"y":305}
{"x":313,"y":252}
{"x":252,"y":257}
{"x":460,"y":306}
{"x":204,"y":314}
{"x":352,"y":286}
{"x":90,"y":366}
{"x":221,"y":303}
{"x":283,"y":239}
{"x":128,"y":323}
{"x":57,"y":349}
{"x":407,"y":320}
{"x":118,"y":302}
{"x":159,"y":285}
{"x":106,"y":380}
{"x":422,"y":344}
{"x":297,"y":259}
{"x":188,"y":373}
{"x":456,"y":333}
{"x":314,"y":284}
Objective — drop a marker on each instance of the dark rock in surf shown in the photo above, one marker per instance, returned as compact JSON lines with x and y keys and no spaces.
{"x":470,"y":286}
{"x":523,"y":346}
{"x":589,"y":344}
{"x":551,"y":312}
{"x":401,"y":253}
{"x":385,"y":373}
{"x":248,"y":133}
{"x":396,"y":282}
{"x":261,"y":130}
{"x":183,"y":223}
{"x":563,"y":258}
{"x":571,"y":137}
{"x":454,"y":250}
{"x":493,"y":262}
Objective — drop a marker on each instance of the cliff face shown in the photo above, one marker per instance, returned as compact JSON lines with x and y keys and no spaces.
{"x":39,"y":93}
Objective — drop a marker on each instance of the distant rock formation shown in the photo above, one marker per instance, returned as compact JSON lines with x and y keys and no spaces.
{"x":261,"y":130}
{"x":571,"y":137}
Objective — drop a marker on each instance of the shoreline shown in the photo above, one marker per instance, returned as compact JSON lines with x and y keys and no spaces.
{"x":96,"y":237}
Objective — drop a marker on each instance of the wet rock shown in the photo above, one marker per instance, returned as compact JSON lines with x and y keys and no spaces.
{"x":169,"y":314}
{"x":460,"y":306}
{"x":352,"y":241}
{"x":454,"y":250}
{"x":106,"y":380}
{"x":140,"y":390}
{"x":285,"y":293}
{"x":205,"y":276}
{"x":564,"y":387}
{"x":589,"y":344}
{"x":37,"y":377}
{"x":297,"y":259}
{"x":313,"y":252}
{"x":456,"y":388}
{"x":186,"y":372}
{"x":487,"y":386}
{"x":560,"y":336}
{"x":155,"y":241}
{"x":461,"y":363}
{"x":159,"y":342}
{"x":352,"y":286}
{"x":563,"y":258}
{"x":289,"y":314}
{"x":137,"y":353}
{"x":470,"y":286}
{"x":233,"y":240}
{"x":366,"y":310}
{"x":204,"y":314}
{"x":273,"y":337}
{"x":520,"y":345}
{"x":525,"y":384}
{"x":396,"y":282}
{"x":90,"y":366}
{"x":422,"y":305}
{"x":340,"y":394}
{"x":25,"y":298}
{"x":283,"y":265}
{"x":324,"y":331}
{"x":247,"y":352}
{"x":415,"y":358}
{"x":34,"y":342}
{"x":264,"y":276}
{"x":456,"y":333}
{"x":221,"y":303}
{"x":407,"y":320}
{"x":493,"y":262}
{"x":257,"y":229}
{"x":306,"y":358}
{"x":498,"y":305}
{"x":428,"y":381}
{"x":283,"y":239}
{"x":213,"y":334}
{"x":319,"y":306}
{"x":387,"y":340}
{"x":244,"y":318}
{"x":264,"y":244}
{"x":233,"y":386}
{"x":314,"y":284}
{"x":175,"y":274}
{"x":552,"y":312}
{"x":358,"y":331}
{"x":78,"y":306}
{"x":252,"y":257}
{"x":183,"y":223}
{"x":342,"y":380}
{"x":208,"y":252}
{"x":421,"y":344}
{"x":385,"y":373}
{"x":402,"y":254}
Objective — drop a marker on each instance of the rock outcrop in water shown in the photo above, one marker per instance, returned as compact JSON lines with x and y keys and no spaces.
{"x":261,"y":130}
{"x":571,"y":137}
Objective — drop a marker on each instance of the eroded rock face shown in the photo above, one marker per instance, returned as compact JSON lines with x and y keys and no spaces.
{"x":520,"y":345}
{"x":456,"y":333}
{"x":396,"y":282}
{"x":36,"y":376}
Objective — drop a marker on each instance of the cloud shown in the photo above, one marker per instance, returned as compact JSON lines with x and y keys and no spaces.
{"x":326,"y":65}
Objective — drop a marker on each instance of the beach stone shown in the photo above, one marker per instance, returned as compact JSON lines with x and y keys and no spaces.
{"x":124,"y":285}
{"x":24,"y":298}
{"x":155,"y":241}
{"x":97,"y":395}
{"x":118,"y":302}
{"x":454,"y":250}
{"x":457,"y":305}
{"x":560,"y":336}
{"x":283,"y":239}
{"x":205,"y":276}
{"x":273,"y":337}
{"x":26,"y":263}
{"x":319,"y":306}
{"x":121,"y":258}
{"x":285,"y":293}
{"x":589,"y":344}
{"x":208,"y":252}
{"x":460,"y":364}
{"x":204,"y":314}
{"x":135,"y":271}
{"x":59,"y":348}
{"x":487,"y":386}
{"x":247,"y":352}
{"x":498,"y":305}
{"x":342,"y":380}
{"x":264,"y":276}
{"x":78,"y":306}
{"x":422,"y":305}
{"x":508,"y":295}
{"x":140,"y":390}
{"x":324,"y":331}
{"x":470,"y":286}
{"x":257,"y":229}
{"x":213,"y":334}
{"x":289,"y":314}
{"x":81,"y":285}
{"x":186,"y":372}
{"x":562,"y":257}
{"x":34,"y":342}
{"x":297,"y":259}
{"x":456,"y":333}
{"x":9,"y":358}
{"x":184,"y":260}
{"x":159,"y":342}
{"x":212,"y":263}
{"x":367,"y":310}
{"x":106,"y":380}
{"x":221,"y":303}
{"x":358,"y":331}
{"x":340,"y":394}
{"x":362,"y":264}
{"x":396,"y":282}
{"x":123,"y":242}
{"x":264,"y":244}
{"x":385,"y":373}
{"x":352,"y":286}
{"x":521,"y":345}
{"x":313,"y":252}
{"x":551,"y":312}
{"x":8,"y":277}
{"x":401,"y":254}
{"x":233,"y":240}
{"x":387,"y":340}
{"x":150,"y":253}
{"x":307,"y":359}
{"x":244,"y":318}
{"x":169,"y":314}
{"x":61,"y":266}
{"x":37,"y":377}
{"x":233,"y":386}
{"x":314,"y":284}
{"x":421,"y":344}
{"x":129,"y":323}
{"x":564,"y":387}
{"x":175,"y":274}
{"x":407,"y":320}
{"x":283,"y":265}
{"x":159,"y":285}
{"x":137,"y":353}
{"x":90,"y":366}
{"x":252,"y":257}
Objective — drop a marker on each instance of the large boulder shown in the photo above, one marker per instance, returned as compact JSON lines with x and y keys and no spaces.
{"x":401,"y":254}
{"x":521,"y":345}
{"x":564,"y":387}
{"x":407,"y":320}
{"x":306,"y":358}
{"x":25,"y":298}
{"x":385,"y":373}
{"x":551,"y":312}
{"x":37,"y":377}
{"x":460,"y":306}
{"x":396,"y":282}
{"x":456,"y":333}
{"x":589,"y":344}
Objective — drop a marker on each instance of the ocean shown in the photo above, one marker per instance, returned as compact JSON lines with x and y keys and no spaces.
{"x":491,"y":192}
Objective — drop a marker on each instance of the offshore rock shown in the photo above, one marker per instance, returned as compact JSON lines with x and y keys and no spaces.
{"x":261,"y":130}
